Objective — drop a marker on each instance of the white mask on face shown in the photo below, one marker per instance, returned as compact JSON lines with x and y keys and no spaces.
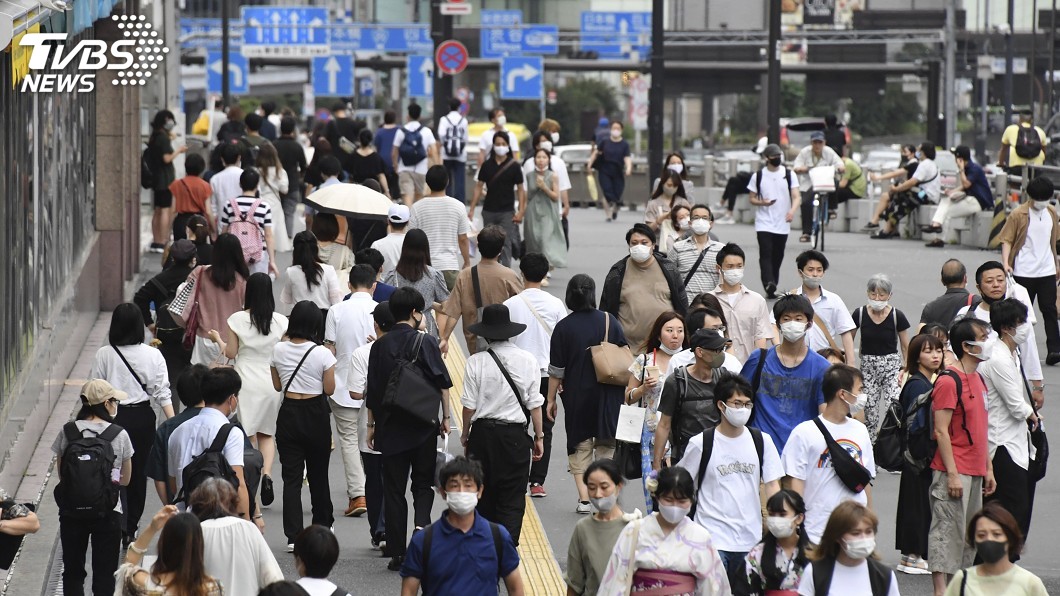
{"x":682,"y":224}
{"x":676,"y":167}
{"x":878,"y":305}
{"x":987,"y":348}
{"x":793,"y":331}
{"x":700,"y":226}
{"x":604,"y":504}
{"x":737,"y":417}
{"x":546,"y":145}
{"x":1022,"y":332}
{"x":732,"y":276}
{"x":1039,"y":205}
{"x":501,"y":121}
{"x":860,"y":401}
{"x":669,"y":190}
{"x":780,"y":527}
{"x":860,"y":548}
{"x":555,"y":137}
{"x":500,"y":149}
{"x":673,"y":513}
{"x":640,"y":252}
{"x":616,"y":134}
{"x":461,"y":503}
{"x":669,"y":351}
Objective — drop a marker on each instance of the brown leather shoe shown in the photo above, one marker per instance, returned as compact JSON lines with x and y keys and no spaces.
{"x":357,"y":508}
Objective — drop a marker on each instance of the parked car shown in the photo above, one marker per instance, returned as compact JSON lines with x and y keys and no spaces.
{"x":881,"y":160}
{"x":795,"y":133}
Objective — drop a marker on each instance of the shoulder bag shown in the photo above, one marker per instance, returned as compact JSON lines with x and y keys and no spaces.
{"x":410,"y":391}
{"x":611,"y":361}
{"x":296,"y":369}
{"x":850,"y":471}
{"x":1038,"y":440}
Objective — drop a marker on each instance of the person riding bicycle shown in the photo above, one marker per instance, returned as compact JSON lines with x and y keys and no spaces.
{"x":815,"y":155}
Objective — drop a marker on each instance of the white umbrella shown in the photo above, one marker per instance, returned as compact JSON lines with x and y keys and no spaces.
{"x":351,"y":200}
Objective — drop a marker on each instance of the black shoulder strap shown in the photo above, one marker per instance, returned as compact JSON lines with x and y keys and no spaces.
{"x":822,"y":576}
{"x":756,"y":436}
{"x":498,"y":546}
{"x":476,"y":286}
{"x":425,"y":559}
{"x":964,"y":580}
{"x":72,"y":432}
{"x":129,"y":366}
{"x":824,"y":431}
{"x":111,"y":432}
{"x":692,"y":271}
{"x":704,"y":459}
{"x":161,"y":288}
{"x":296,"y":369}
{"x":339,"y":591}
{"x":960,"y":402}
{"x":879,"y":578}
{"x":511,"y":384}
{"x":756,"y":380}
{"x":758,"y":181}
{"x":221,"y":438}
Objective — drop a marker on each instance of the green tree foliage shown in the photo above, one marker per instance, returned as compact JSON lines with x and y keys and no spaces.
{"x":577,"y":96}
{"x":893,"y":112}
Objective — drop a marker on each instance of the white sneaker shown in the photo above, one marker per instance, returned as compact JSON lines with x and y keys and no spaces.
{"x":290,"y":547}
{"x":584,"y":508}
{"x":726,"y":220}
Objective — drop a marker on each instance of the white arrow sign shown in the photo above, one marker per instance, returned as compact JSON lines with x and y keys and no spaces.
{"x":333,"y":68}
{"x":525,"y":72}
{"x":237,"y":74}
{"x":428,"y":82}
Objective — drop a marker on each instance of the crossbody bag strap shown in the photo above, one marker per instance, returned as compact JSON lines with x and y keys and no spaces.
{"x":129,"y":366}
{"x":537,"y":315}
{"x":607,"y":327}
{"x":692,"y":271}
{"x":476,"y":286}
{"x":511,"y":383}
{"x":817,"y":320}
{"x":500,"y":171}
{"x":296,"y":369}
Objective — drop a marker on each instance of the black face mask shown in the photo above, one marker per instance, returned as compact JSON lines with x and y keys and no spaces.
{"x":991,"y":551}
{"x":774,"y":161}
{"x":990,"y":301}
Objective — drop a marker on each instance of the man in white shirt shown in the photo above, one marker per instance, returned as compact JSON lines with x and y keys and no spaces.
{"x":348,"y":327}
{"x":225,"y":184}
{"x":390,"y":245}
{"x":316,"y":550}
{"x":485,"y":141}
{"x":831,"y":315}
{"x":444,"y":220}
{"x":817,"y":154}
{"x":501,"y":398}
{"x":453,"y":136}
{"x":737,"y":461}
{"x":220,"y":393}
{"x":744,"y":310}
{"x":539,"y":311}
{"x":807,"y":458}
{"x":411,"y":171}
{"x":775,"y":195}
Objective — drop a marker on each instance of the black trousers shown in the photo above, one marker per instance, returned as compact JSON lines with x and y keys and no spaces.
{"x":771,"y":256}
{"x":539,"y":469}
{"x":177,"y":359}
{"x":1015,"y":491}
{"x":180,"y":225}
{"x":373,"y":493}
{"x":139,"y":422}
{"x":303,"y":438}
{"x":105,"y":534}
{"x":420,"y":460}
{"x":503,"y":449}
{"x":1044,"y":289}
{"x":806,"y":208}
{"x":734,"y":187}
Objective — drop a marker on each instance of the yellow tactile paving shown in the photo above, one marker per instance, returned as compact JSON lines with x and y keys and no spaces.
{"x":539,"y":567}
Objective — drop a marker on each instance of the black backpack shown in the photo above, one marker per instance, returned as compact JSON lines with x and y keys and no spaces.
{"x":708,"y":450}
{"x":148,"y":180}
{"x":163,"y":318}
{"x":86,"y":489}
{"x":208,"y":464}
{"x":1028,"y":142}
{"x":879,"y":577}
{"x":758,"y":179}
{"x":411,"y":151}
{"x":454,"y":139}
{"x":918,"y":426}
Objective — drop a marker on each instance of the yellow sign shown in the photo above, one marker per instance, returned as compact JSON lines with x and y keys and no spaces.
{"x":20,"y":57}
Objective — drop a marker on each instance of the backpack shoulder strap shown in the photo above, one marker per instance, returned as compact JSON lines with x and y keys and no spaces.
{"x":425,"y":558}
{"x":111,"y":432}
{"x":704,"y":459}
{"x":221,"y":438}
{"x":879,"y":578}
{"x":236,"y":211}
{"x":253,"y":208}
{"x":71,"y":432}
{"x":760,"y":447}
{"x":822,"y":576}
{"x":758,"y":181}
{"x":498,"y":546}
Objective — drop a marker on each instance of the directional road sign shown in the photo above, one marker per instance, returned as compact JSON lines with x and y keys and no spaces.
{"x":410,"y":38}
{"x":238,"y":73}
{"x":292,"y":31}
{"x":615,"y":34}
{"x":332,"y":75}
{"x":501,"y":33}
{"x":451,"y":57}
{"x":522,"y":77}
{"x":366,"y":87}
{"x":420,"y":73}
{"x":540,"y":39}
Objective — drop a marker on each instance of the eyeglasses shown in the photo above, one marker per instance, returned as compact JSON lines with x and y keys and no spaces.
{"x":745,"y":405}
{"x":719,"y":328}
{"x":112,"y":401}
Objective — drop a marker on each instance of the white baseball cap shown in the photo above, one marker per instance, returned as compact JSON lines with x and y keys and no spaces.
{"x":398,"y":214}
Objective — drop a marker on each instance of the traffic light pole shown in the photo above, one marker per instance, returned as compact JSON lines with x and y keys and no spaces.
{"x":226,"y":97}
{"x":441,"y":31}
{"x":773,"y":75}
{"x":656,"y":94}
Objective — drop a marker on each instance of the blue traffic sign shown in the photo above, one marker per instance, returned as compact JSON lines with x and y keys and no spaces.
{"x":540,"y":39}
{"x":366,"y":87}
{"x":615,"y":34}
{"x":238,"y":73}
{"x":333,"y":75}
{"x":285,"y":30}
{"x":522,"y":77}
{"x":420,"y":73}
{"x":410,"y":38}
{"x":501,"y":33}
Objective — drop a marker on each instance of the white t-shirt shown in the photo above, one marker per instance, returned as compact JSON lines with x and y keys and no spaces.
{"x":236,"y":554}
{"x":225,"y":186}
{"x":327,"y":291}
{"x":776,"y":186}
{"x":558,"y":167}
{"x":428,"y":140}
{"x":485,"y":142}
{"x":390,"y":247}
{"x":356,"y":381}
{"x":457,"y":121}
{"x":1035,"y":259}
{"x":150,"y":367}
{"x":310,"y":378}
{"x":121,"y":445}
{"x":536,"y":339}
{"x":686,"y":357}
{"x":348,"y":326}
{"x":444,"y":220}
{"x":927,"y":175}
{"x":845,"y":581}
{"x":730,"y":483}
{"x":806,"y":458}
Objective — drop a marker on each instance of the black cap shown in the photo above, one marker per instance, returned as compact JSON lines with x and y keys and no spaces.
{"x":708,"y":339}
{"x":963,"y":152}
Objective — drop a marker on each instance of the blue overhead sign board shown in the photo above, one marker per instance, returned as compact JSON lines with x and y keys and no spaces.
{"x":206,"y":33}
{"x":501,"y":33}
{"x":540,"y":39}
{"x":238,"y":73}
{"x":420,"y":73}
{"x":615,"y":34}
{"x":404,"y":39}
{"x":285,"y":31}
{"x":522,"y":77}
{"x":333,"y":76}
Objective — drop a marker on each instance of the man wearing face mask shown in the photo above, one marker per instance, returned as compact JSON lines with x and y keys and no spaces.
{"x":808,"y":461}
{"x":831,"y":317}
{"x":728,"y":472}
{"x":639,"y":287}
{"x":816,"y":155}
{"x":438,"y":556}
{"x":1028,"y":250}
{"x":485,"y":142}
{"x":1009,"y":409}
{"x":775,"y":194}
{"x":962,"y":473}
{"x":745,"y":310}
{"x":613,"y":162}
{"x":696,"y":256}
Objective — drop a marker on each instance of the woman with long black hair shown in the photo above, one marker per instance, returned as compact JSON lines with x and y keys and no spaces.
{"x":310,"y":279}
{"x":179,"y":569}
{"x":414,"y":270}
{"x":787,"y":538}
{"x":139,"y":370}
{"x":219,"y":293}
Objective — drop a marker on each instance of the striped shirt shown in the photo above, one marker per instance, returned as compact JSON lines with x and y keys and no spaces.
{"x":263,"y":214}
{"x":443,"y":220}
{"x":685,"y":253}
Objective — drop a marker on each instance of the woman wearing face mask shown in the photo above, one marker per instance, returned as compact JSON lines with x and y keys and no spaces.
{"x":997,"y":540}
{"x":666,"y":552}
{"x":923,"y":362}
{"x":501,"y":176}
{"x":884,"y":338}
{"x":669,"y":193}
{"x":543,"y":228}
{"x":547,"y":138}
{"x":675,"y":227}
{"x":614,"y":163}
{"x":159,"y":158}
{"x":780,"y":574}
{"x":594,"y":537}
{"x":676,"y":164}
{"x":845,"y":562}
{"x":646,"y":381}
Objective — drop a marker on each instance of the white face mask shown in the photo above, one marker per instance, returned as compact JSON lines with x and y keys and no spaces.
{"x":676,"y":167}
{"x":781,"y":527}
{"x":1039,"y":205}
{"x":555,"y":137}
{"x":737,"y":417}
{"x":682,"y":224}
{"x":616,"y":134}
{"x":500,"y":149}
{"x":732,"y":276}
{"x":669,"y":190}
{"x":501,"y":121}
{"x":640,"y":252}
{"x":861,"y":548}
{"x":988,"y":348}
{"x":604,"y":504}
{"x":1022,"y":332}
{"x":546,"y":145}
{"x":669,"y":351}
{"x":812,"y":282}
{"x":793,"y":331}
{"x":860,"y":401}
{"x":878,"y":305}
{"x":700,"y":227}
{"x":461,"y":503}
{"x":673,"y":513}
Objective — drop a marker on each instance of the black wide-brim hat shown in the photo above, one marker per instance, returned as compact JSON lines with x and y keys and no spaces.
{"x":496,"y":323}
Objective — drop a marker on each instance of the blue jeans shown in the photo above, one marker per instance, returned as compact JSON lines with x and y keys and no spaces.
{"x":457,"y":179}
{"x":736,"y":568}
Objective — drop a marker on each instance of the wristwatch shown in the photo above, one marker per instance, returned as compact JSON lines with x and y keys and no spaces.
{"x":370,"y":424}
{"x":539,"y":436}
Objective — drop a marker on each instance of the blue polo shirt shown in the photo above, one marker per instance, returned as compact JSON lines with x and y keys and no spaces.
{"x":786,"y":396}
{"x":980,"y":188}
{"x":461,"y":563}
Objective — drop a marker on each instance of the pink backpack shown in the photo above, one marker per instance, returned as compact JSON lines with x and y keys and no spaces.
{"x":246,"y":228}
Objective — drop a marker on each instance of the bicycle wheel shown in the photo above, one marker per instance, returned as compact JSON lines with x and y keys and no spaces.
{"x":823,"y":218}
{"x":817,"y":228}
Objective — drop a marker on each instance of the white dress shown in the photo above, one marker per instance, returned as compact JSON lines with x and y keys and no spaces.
{"x":271,"y":188}
{"x":259,"y":402}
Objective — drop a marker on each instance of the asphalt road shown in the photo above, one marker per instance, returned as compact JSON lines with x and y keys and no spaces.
{"x":595,"y":245}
